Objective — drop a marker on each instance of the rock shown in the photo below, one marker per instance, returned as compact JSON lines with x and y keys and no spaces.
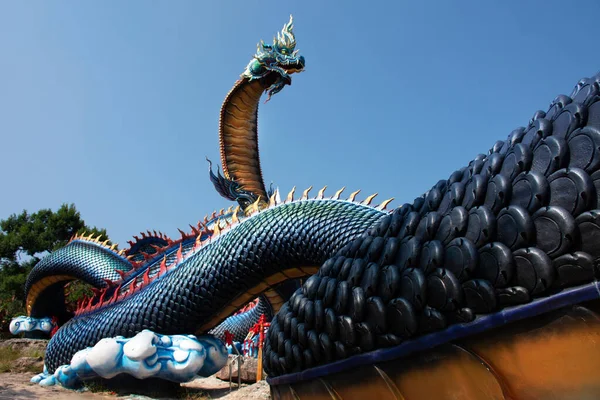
{"x":26,"y":345}
{"x":259,"y":391}
{"x":248,"y":370}
{"x":28,"y":364}
{"x":210,"y":383}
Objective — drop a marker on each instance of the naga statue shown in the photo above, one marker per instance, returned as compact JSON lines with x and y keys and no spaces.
{"x":484,"y":287}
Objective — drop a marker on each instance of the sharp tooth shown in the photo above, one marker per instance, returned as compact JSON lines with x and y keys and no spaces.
{"x":290,"y":196}
{"x":353,"y":195}
{"x":234,"y":216}
{"x":305,"y":194}
{"x":337,"y":194}
{"x":369,"y":199}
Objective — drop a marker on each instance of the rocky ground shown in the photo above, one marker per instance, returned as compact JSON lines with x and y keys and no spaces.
{"x":21,"y":359}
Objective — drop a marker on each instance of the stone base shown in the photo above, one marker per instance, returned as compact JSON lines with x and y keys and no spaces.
{"x":248,"y":370}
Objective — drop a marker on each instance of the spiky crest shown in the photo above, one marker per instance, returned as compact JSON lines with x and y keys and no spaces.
{"x":140,"y":281}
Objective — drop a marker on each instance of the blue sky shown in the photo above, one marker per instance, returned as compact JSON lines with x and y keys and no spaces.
{"x":114,"y":105}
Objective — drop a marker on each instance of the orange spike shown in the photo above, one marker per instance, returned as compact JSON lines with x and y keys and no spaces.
{"x":384,"y":204}
{"x":337,"y":194}
{"x":254,"y":207}
{"x":163,"y":266}
{"x":115,"y":294}
{"x":183,"y":234}
{"x":217,"y":228}
{"x":179,"y":253}
{"x":290,"y":196}
{"x":273,"y":200}
{"x":109,"y":283}
{"x":136,"y":265}
{"x":156,"y":247}
{"x":353,"y":195}
{"x":321,"y":193}
{"x":203,"y":228}
{"x":132,"y":285}
{"x":234,"y":216}
{"x":102,"y":296}
{"x":146,"y":277}
{"x":121,"y":273}
{"x":198,"y":242}
{"x":88,"y":306}
{"x":369,"y":199}
{"x":305,"y":194}
{"x":143,"y":235}
{"x":196,"y":232}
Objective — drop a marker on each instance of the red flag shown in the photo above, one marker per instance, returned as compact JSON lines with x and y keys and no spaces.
{"x":229,"y":338}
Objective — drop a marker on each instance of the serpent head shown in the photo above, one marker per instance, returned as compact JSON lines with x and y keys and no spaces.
{"x":280,"y":58}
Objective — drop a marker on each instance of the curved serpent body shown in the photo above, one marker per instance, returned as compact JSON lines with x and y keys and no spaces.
{"x":211,"y":283}
{"x":514,"y":234}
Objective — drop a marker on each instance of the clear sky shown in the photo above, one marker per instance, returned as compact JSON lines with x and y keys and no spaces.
{"x":113,"y":105}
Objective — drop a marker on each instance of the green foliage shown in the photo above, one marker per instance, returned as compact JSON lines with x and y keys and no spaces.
{"x":45,"y":230}
{"x":76,"y":290}
{"x":8,"y":356}
{"x":24,"y":239}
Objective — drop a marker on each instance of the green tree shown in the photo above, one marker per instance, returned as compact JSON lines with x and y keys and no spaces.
{"x":26,"y":238}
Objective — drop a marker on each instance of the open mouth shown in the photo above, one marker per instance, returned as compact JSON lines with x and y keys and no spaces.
{"x":294,"y":66}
